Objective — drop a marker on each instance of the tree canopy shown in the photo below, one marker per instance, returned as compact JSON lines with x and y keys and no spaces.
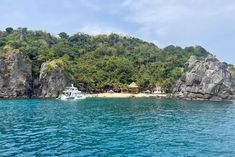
{"x":102,"y":62}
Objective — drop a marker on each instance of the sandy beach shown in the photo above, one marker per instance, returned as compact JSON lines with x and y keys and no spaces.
{"x":125,"y":95}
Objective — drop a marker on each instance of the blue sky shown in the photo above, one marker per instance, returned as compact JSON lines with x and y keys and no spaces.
{"x":209,"y":23}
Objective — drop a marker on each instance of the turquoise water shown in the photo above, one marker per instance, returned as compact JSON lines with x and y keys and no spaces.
{"x":116,"y":127}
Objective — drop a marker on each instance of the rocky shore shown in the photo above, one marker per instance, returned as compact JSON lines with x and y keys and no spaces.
{"x":206,"y":79}
{"x":15,"y":76}
{"x":16,"y":80}
{"x":51,"y":83}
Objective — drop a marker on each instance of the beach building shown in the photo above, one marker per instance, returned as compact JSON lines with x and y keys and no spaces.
{"x":133,"y":88}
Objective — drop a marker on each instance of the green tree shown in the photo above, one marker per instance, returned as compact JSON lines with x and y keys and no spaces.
{"x":9,"y":30}
{"x":63,"y":35}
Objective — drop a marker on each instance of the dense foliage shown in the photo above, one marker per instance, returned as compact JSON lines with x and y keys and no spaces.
{"x":101,"y":62}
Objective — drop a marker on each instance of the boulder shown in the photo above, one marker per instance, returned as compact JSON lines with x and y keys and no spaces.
{"x":15,"y":75}
{"x":208,"y":79}
{"x":51,"y":82}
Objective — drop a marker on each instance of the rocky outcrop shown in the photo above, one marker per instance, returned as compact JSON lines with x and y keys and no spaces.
{"x":207,"y":79}
{"x":15,"y":76}
{"x":233,"y":83}
{"x":51,"y":81}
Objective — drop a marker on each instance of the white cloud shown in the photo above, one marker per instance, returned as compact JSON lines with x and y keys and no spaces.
{"x":189,"y":18}
{"x":210,"y":23}
{"x":96,"y":29}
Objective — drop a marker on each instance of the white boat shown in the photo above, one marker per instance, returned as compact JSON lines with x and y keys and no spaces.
{"x":72,"y":93}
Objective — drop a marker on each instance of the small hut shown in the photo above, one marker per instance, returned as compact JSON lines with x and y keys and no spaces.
{"x":133,"y":88}
{"x":157,"y":90}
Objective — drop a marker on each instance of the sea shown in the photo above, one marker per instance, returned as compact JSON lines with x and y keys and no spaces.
{"x":103,"y":127}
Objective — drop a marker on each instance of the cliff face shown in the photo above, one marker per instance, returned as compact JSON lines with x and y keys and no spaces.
{"x":209,"y":79}
{"x":233,"y":83}
{"x":15,"y":76}
{"x":51,"y":82}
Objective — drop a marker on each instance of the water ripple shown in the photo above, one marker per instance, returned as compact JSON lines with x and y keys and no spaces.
{"x":116,"y":127}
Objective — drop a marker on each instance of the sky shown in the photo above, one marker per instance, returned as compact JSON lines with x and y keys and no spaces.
{"x":209,"y":23}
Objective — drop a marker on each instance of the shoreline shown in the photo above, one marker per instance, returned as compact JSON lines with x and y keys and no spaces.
{"x":144,"y":95}
{"x":126,"y":95}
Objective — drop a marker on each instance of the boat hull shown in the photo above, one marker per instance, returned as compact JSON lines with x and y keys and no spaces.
{"x":63,"y":97}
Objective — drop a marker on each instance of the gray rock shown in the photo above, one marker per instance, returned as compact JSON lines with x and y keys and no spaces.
{"x":209,"y":79}
{"x":233,"y":97}
{"x":233,"y":84}
{"x":15,"y":76}
{"x":192,"y":61}
{"x":52,"y":82}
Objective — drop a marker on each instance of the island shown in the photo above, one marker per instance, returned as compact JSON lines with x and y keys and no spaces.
{"x":37,"y":64}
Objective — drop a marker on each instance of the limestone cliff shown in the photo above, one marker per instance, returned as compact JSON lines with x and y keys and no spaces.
{"x":233,"y":82}
{"x":208,"y":79}
{"x":15,"y":76}
{"x":52,"y":80}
